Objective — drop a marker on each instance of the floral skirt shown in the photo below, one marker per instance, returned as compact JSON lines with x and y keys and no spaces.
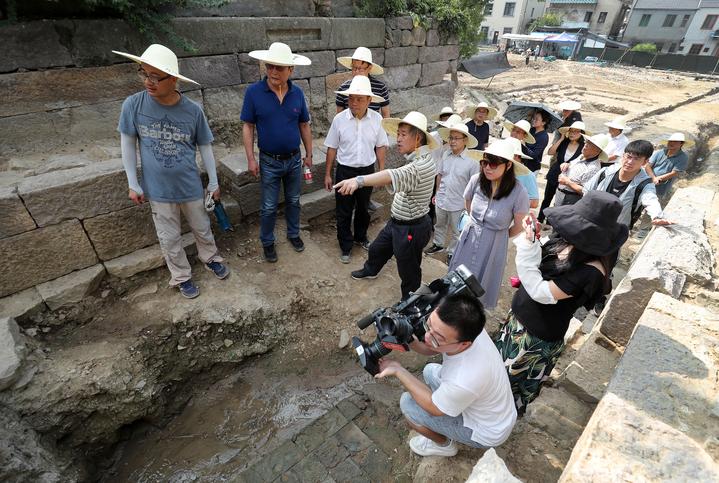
{"x":529,"y":360}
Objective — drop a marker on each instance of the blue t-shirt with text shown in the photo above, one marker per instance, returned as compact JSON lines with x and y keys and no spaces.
{"x":168,"y":136}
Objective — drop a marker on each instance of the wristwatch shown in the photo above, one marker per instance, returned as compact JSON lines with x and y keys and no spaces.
{"x":360,"y":181}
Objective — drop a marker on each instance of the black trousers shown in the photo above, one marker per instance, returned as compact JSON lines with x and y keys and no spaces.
{"x":346,"y":204}
{"x":405,"y":242}
{"x":550,"y":189}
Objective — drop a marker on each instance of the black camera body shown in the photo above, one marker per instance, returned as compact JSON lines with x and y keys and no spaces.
{"x":397,"y":325}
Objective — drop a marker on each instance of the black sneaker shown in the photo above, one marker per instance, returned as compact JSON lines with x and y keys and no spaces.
{"x":270,"y":253}
{"x":362,"y":273}
{"x":599,"y":306}
{"x":433,"y":249}
{"x":297,"y":244}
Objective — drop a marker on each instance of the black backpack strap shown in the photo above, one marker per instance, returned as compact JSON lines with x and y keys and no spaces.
{"x":636,"y":207}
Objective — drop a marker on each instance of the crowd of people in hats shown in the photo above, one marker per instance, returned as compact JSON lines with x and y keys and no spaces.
{"x":465,"y":187}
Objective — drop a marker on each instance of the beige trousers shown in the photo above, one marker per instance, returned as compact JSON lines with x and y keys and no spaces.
{"x":167,"y":224}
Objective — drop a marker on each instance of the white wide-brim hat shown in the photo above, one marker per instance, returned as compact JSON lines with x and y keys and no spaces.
{"x":601,"y":141}
{"x":413,"y":118}
{"x":360,"y":86}
{"x":505,"y":149}
{"x":679,"y":136}
{"x":459,"y":127}
{"x":451,"y":120}
{"x":469,"y":110}
{"x":280,"y":54}
{"x":617,"y":123}
{"x":575,"y":125}
{"x":518,"y":148}
{"x":161,"y":58}
{"x":365,"y":55}
{"x":569,"y":105}
{"x":445,"y":110}
{"x":524,"y":126}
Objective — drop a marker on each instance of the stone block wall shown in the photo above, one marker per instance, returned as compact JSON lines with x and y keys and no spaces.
{"x":65,"y":88}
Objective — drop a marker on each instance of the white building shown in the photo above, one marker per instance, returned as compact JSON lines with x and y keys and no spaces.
{"x":663,"y":23}
{"x":509,"y":17}
{"x":702,"y":36}
{"x":602,"y":17}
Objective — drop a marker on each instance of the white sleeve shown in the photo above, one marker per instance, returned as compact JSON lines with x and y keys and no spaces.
{"x":129,"y":161}
{"x":648,"y":199}
{"x":452,"y":399}
{"x":208,"y":159}
{"x":529,"y":256}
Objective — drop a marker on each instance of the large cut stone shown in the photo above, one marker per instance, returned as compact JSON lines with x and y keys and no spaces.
{"x":403,"y":77}
{"x":439,"y":53}
{"x":587,"y":376}
{"x":669,"y":257}
{"x":317,"y":203}
{"x":71,"y":288}
{"x":301,"y":34}
{"x":400,"y":56}
{"x":432,"y":38}
{"x":27,"y":302}
{"x":121,"y":232}
{"x":348,"y":33}
{"x":90,"y":49}
{"x":323,"y":63}
{"x":12,"y":352}
{"x":419,"y":36}
{"x":143,"y":259}
{"x":76,"y":193}
{"x":37,"y":91}
{"x":250,"y":69}
{"x":427,"y":100}
{"x":433,"y":73}
{"x":400,"y":23}
{"x":217,"y":36}
{"x":659,"y":419}
{"x":224,"y":103}
{"x":43,"y":254}
{"x":14,"y":218}
{"x":32,"y":45}
{"x":318,"y":93}
{"x":213,"y":71}
{"x":491,"y":469}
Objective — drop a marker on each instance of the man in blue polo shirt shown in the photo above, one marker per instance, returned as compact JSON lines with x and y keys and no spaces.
{"x":278,"y":110}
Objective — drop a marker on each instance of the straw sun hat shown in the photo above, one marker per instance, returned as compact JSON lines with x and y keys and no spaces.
{"x":459,"y":127}
{"x":161,"y":58}
{"x":470,"y":110}
{"x":524,"y":126}
{"x":575,"y":125}
{"x":505,"y":149}
{"x":360,"y":86}
{"x":601,"y":141}
{"x":617,"y":123}
{"x":413,"y":118}
{"x":365,"y":55}
{"x":280,"y":54}
{"x":679,"y":136}
{"x":445,"y":110}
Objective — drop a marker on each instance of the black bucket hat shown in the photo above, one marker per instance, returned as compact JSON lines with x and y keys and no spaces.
{"x":591,"y":223}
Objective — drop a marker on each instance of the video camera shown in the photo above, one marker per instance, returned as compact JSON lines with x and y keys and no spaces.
{"x":397,"y":324}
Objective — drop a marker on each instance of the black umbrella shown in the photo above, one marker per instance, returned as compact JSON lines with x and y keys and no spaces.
{"x":518,"y":110}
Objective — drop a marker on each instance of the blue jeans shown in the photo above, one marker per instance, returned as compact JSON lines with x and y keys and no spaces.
{"x":289,"y":173}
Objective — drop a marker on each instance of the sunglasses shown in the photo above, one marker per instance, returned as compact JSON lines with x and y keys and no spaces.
{"x":493,"y":163}
{"x":279,"y":68}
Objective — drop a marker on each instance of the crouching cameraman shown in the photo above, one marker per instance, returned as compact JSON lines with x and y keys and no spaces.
{"x":467,"y":399}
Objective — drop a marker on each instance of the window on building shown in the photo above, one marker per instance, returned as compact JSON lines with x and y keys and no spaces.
{"x":587,"y":17}
{"x":709,"y":22}
{"x":484,"y":32}
{"x":669,"y":20}
{"x":672,"y":48}
{"x":509,"y":9}
{"x":488,"y":9}
{"x":659,"y":46}
{"x":706,"y":49}
{"x":695,"y":49}
{"x":602,"y":17}
{"x":685,"y":20}
{"x":531,"y":15}
{"x":644,"y":21}
{"x":507,"y":30}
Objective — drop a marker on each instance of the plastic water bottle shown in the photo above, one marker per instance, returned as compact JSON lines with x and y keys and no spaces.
{"x":308,"y":175}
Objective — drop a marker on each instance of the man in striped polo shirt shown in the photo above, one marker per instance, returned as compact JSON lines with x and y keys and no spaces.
{"x":409,"y":228}
{"x":361,"y":64}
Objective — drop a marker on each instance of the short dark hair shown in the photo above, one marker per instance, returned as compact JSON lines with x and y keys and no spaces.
{"x":464,"y":313}
{"x":544,"y":115}
{"x":640,"y":147}
{"x":414,"y":131}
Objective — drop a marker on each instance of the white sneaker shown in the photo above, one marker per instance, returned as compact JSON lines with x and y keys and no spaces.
{"x":426,"y":447}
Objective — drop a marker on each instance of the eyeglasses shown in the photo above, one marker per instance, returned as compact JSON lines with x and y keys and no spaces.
{"x":456,"y":138}
{"x":153,"y":79}
{"x":280,"y":68}
{"x":492,"y":164}
{"x":428,"y":330}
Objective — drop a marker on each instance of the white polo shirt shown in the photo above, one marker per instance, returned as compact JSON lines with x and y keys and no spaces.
{"x":355,"y":139}
{"x":616,"y":146}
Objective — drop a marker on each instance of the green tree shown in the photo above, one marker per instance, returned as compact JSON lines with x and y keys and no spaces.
{"x":645,"y":47}
{"x":547,"y":20}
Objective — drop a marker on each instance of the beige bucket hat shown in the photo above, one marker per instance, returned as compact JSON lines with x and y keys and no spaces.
{"x":505,"y":149}
{"x":601,"y":141}
{"x":365,"y":55}
{"x":575,"y":125}
{"x":451,"y":120}
{"x":679,"y":136}
{"x":360,"y":86}
{"x":569,"y":105}
{"x":161,"y":58}
{"x":413,"y":118}
{"x":469,"y":110}
{"x":518,"y":148}
{"x":524,"y":126}
{"x":459,"y":127}
{"x":616,"y":123}
{"x":280,"y":54}
{"x":445,"y":110}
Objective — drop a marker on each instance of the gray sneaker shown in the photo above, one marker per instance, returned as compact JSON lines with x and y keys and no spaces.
{"x":345,"y":257}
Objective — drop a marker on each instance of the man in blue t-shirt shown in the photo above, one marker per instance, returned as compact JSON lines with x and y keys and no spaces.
{"x":277,"y":109}
{"x":169,"y":128}
{"x":668,"y":163}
